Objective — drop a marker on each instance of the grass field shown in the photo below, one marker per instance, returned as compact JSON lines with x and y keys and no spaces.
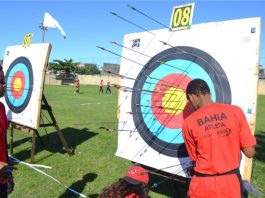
{"x":84,"y":120}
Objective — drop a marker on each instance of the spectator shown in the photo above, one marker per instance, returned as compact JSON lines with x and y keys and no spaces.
{"x":77,"y":85}
{"x":108,"y":88}
{"x":101,"y":84}
{"x":133,"y":185}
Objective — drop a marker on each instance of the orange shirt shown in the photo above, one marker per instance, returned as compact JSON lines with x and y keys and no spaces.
{"x":77,"y":84}
{"x":213,"y":136}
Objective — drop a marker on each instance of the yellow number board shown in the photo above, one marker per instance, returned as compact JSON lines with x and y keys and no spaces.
{"x":182,"y":16}
{"x":27,"y":38}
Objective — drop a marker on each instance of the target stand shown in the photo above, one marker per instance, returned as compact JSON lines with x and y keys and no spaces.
{"x":34,"y":132}
{"x":24,"y":68}
{"x":31,"y":131}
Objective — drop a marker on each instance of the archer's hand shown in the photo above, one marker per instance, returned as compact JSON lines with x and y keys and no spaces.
{"x":3,"y":170}
{"x":190,"y":171}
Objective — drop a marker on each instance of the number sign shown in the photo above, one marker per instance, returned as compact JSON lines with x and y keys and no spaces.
{"x":27,"y":38}
{"x":182,"y":17}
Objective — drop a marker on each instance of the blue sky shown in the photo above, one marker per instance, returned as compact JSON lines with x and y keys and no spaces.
{"x":89,"y":23}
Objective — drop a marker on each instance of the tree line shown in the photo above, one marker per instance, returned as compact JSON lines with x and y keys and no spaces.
{"x":69,"y":66}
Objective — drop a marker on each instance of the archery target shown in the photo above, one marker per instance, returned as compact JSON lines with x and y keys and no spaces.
{"x":159,"y":121}
{"x":24,"y":69}
{"x":19,"y":77}
{"x":154,"y":105}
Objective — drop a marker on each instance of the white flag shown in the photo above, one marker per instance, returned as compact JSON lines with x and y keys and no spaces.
{"x":50,"y":22}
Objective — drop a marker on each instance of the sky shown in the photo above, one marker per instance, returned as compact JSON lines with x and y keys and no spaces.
{"x":88,"y":24}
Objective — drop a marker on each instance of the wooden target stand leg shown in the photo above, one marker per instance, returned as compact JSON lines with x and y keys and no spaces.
{"x":46,"y":106}
{"x":34,"y":132}
{"x":31,"y":131}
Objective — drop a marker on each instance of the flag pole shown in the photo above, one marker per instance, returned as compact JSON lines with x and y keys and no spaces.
{"x":43,"y":31}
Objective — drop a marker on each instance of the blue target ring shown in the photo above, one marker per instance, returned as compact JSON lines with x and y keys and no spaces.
{"x":19,"y":80}
{"x":188,"y":62}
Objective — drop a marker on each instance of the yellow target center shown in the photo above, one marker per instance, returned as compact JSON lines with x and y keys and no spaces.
{"x":17,"y":84}
{"x":174,"y":100}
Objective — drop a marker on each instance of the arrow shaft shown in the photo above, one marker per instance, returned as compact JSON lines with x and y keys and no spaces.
{"x":133,"y":23}
{"x":133,"y":8}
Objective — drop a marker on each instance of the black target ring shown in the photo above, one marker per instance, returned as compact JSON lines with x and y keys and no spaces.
{"x":194,"y":56}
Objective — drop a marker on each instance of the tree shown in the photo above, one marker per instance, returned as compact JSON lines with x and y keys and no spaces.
{"x":68,"y":65}
{"x":88,"y":69}
{"x":54,"y":66}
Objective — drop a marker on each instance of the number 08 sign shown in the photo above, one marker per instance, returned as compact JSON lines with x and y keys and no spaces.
{"x":182,"y":16}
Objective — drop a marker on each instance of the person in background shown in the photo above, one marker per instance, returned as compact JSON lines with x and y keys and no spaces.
{"x":214,"y":135}
{"x":101,"y":84}
{"x":133,"y":185}
{"x":108,"y":88}
{"x":6,"y":179}
{"x":77,"y":85}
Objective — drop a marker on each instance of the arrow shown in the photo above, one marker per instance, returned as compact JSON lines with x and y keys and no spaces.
{"x":124,"y":88}
{"x":158,"y":61}
{"x":102,"y":48}
{"x":134,"y":9}
{"x":119,"y":75}
{"x":160,"y":107}
{"x":115,"y":14}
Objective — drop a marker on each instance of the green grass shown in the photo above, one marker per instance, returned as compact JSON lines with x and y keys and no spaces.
{"x":258,"y":176}
{"x":84,"y":119}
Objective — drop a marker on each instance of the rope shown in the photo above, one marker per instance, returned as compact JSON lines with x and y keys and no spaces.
{"x":33,"y":166}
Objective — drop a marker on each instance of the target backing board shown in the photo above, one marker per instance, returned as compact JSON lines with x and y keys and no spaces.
{"x":24,"y":69}
{"x":157,"y":68}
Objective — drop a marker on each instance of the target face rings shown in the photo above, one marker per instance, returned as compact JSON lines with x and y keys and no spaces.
{"x":19,"y":81}
{"x":159,"y":103}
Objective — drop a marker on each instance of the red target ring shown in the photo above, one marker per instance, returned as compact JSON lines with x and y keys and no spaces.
{"x":17,"y":84}
{"x":169,"y":100}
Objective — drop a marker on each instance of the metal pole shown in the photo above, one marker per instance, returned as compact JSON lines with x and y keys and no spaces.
{"x":43,"y":35}
{"x":43,"y":31}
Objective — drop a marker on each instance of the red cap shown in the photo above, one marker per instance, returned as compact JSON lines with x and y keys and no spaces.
{"x":136,"y":175}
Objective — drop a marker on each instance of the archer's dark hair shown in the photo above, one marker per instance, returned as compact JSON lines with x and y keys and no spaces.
{"x":197,"y":87}
{"x":1,"y":68}
{"x":122,"y":188}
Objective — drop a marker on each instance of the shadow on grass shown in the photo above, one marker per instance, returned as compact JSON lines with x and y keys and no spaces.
{"x":260,"y":147}
{"x":79,"y":186}
{"x":168,"y":187}
{"x":52,"y":142}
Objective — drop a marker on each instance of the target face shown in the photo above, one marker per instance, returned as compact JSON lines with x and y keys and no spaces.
{"x":156,"y":73}
{"x":160,"y":105}
{"x":22,"y":66}
{"x":19,"y":78}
